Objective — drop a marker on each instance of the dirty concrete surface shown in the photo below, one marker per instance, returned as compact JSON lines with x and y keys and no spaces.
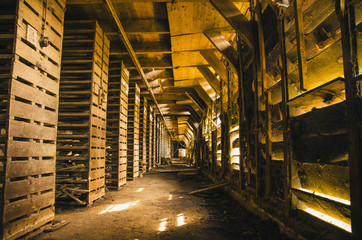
{"x":158,"y":206}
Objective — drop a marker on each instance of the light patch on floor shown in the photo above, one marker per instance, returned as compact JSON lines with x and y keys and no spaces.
{"x":140,"y":190}
{"x":170,"y":197}
{"x":180,"y":220}
{"x":118,"y":207}
{"x":163,"y":225}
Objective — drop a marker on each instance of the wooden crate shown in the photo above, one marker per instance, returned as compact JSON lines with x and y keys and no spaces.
{"x":143,"y":135}
{"x":117,"y":112}
{"x":133,"y":131}
{"x":81,"y":137}
{"x":30,"y":57}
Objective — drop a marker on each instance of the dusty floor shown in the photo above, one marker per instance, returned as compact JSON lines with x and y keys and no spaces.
{"x":157,"y":206}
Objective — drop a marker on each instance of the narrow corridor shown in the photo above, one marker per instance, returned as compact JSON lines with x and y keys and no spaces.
{"x":158,"y":206}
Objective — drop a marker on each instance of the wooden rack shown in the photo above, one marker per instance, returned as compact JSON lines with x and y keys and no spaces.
{"x":149,"y":139}
{"x":82,"y":114}
{"x":31,"y":34}
{"x":133,"y":131}
{"x":143,"y":135}
{"x":117,"y":112}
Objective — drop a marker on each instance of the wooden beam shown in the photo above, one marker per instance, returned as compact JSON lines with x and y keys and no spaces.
{"x":150,"y":63}
{"x":203,"y":94}
{"x":223,"y":45}
{"x":354,"y":129}
{"x":195,"y":102}
{"x":267,"y":99}
{"x":302,"y":60}
{"x":210,"y":78}
{"x":236,"y":19}
{"x":143,"y":48}
{"x":143,"y":27}
{"x":215,"y":63}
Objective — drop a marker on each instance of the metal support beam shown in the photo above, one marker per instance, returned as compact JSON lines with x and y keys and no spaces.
{"x":133,"y":56}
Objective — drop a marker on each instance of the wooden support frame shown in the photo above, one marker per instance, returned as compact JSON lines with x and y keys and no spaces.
{"x":223,"y":46}
{"x":302,"y":60}
{"x":285,"y":113}
{"x":343,"y":10}
{"x":210,"y":78}
{"x":266,"y":98}
{"x":236,"y":19}
{"x":214,"y":62}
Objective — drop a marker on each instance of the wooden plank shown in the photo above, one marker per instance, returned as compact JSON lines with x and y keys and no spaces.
{"x":302,"y":60}
{"x":18,"y":228}
{"x":209,"y":188}
{"x":28,"y":186}
{"x":329,"y":207}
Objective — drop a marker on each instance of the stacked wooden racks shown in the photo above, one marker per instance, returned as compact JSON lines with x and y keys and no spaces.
{"x":82,"y":114}
{"x":117,"y":112}
{"x":133,"y":131}
{"x":31,"y":35}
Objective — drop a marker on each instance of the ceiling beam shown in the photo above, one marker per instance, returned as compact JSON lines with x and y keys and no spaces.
{"x":148,"y":63}
{"x":132,"y":54}
{"x":215,"y":63}
{"x":224,"y":47}
{"x":210,"y":78}
{"x":236,"y":19}
{"x":143,"y":27}
{"x":148,"y":47}
{"x":195,"y":102}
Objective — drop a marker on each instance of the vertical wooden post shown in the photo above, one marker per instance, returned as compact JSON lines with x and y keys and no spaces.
{"x":299,"y":29}
{"x":266,"y":98}
{"x":285,"y":113}
{"x":353,"y":119}
{"x":241,"y":117}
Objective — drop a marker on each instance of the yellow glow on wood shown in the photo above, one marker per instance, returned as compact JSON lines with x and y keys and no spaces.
{"x":329,"y":219}
{"x":140,"y":190}
{"x":336,"y":199}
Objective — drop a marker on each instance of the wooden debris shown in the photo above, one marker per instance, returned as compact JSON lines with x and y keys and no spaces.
{"x":209,"y":188}
{"x":57,"y":226}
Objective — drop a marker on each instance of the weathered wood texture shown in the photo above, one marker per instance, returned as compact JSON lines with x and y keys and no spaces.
{"x":81,"y":142}
{"x":29,"y":82}
{"x":320,"y":159}
{"x":143,"y":135}
{"x":116,"y":140}
{"x":133,"y":131}
{"x":149,"y":138}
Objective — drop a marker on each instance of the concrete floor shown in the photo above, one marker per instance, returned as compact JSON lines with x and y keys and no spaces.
{"x":157,"y":206}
